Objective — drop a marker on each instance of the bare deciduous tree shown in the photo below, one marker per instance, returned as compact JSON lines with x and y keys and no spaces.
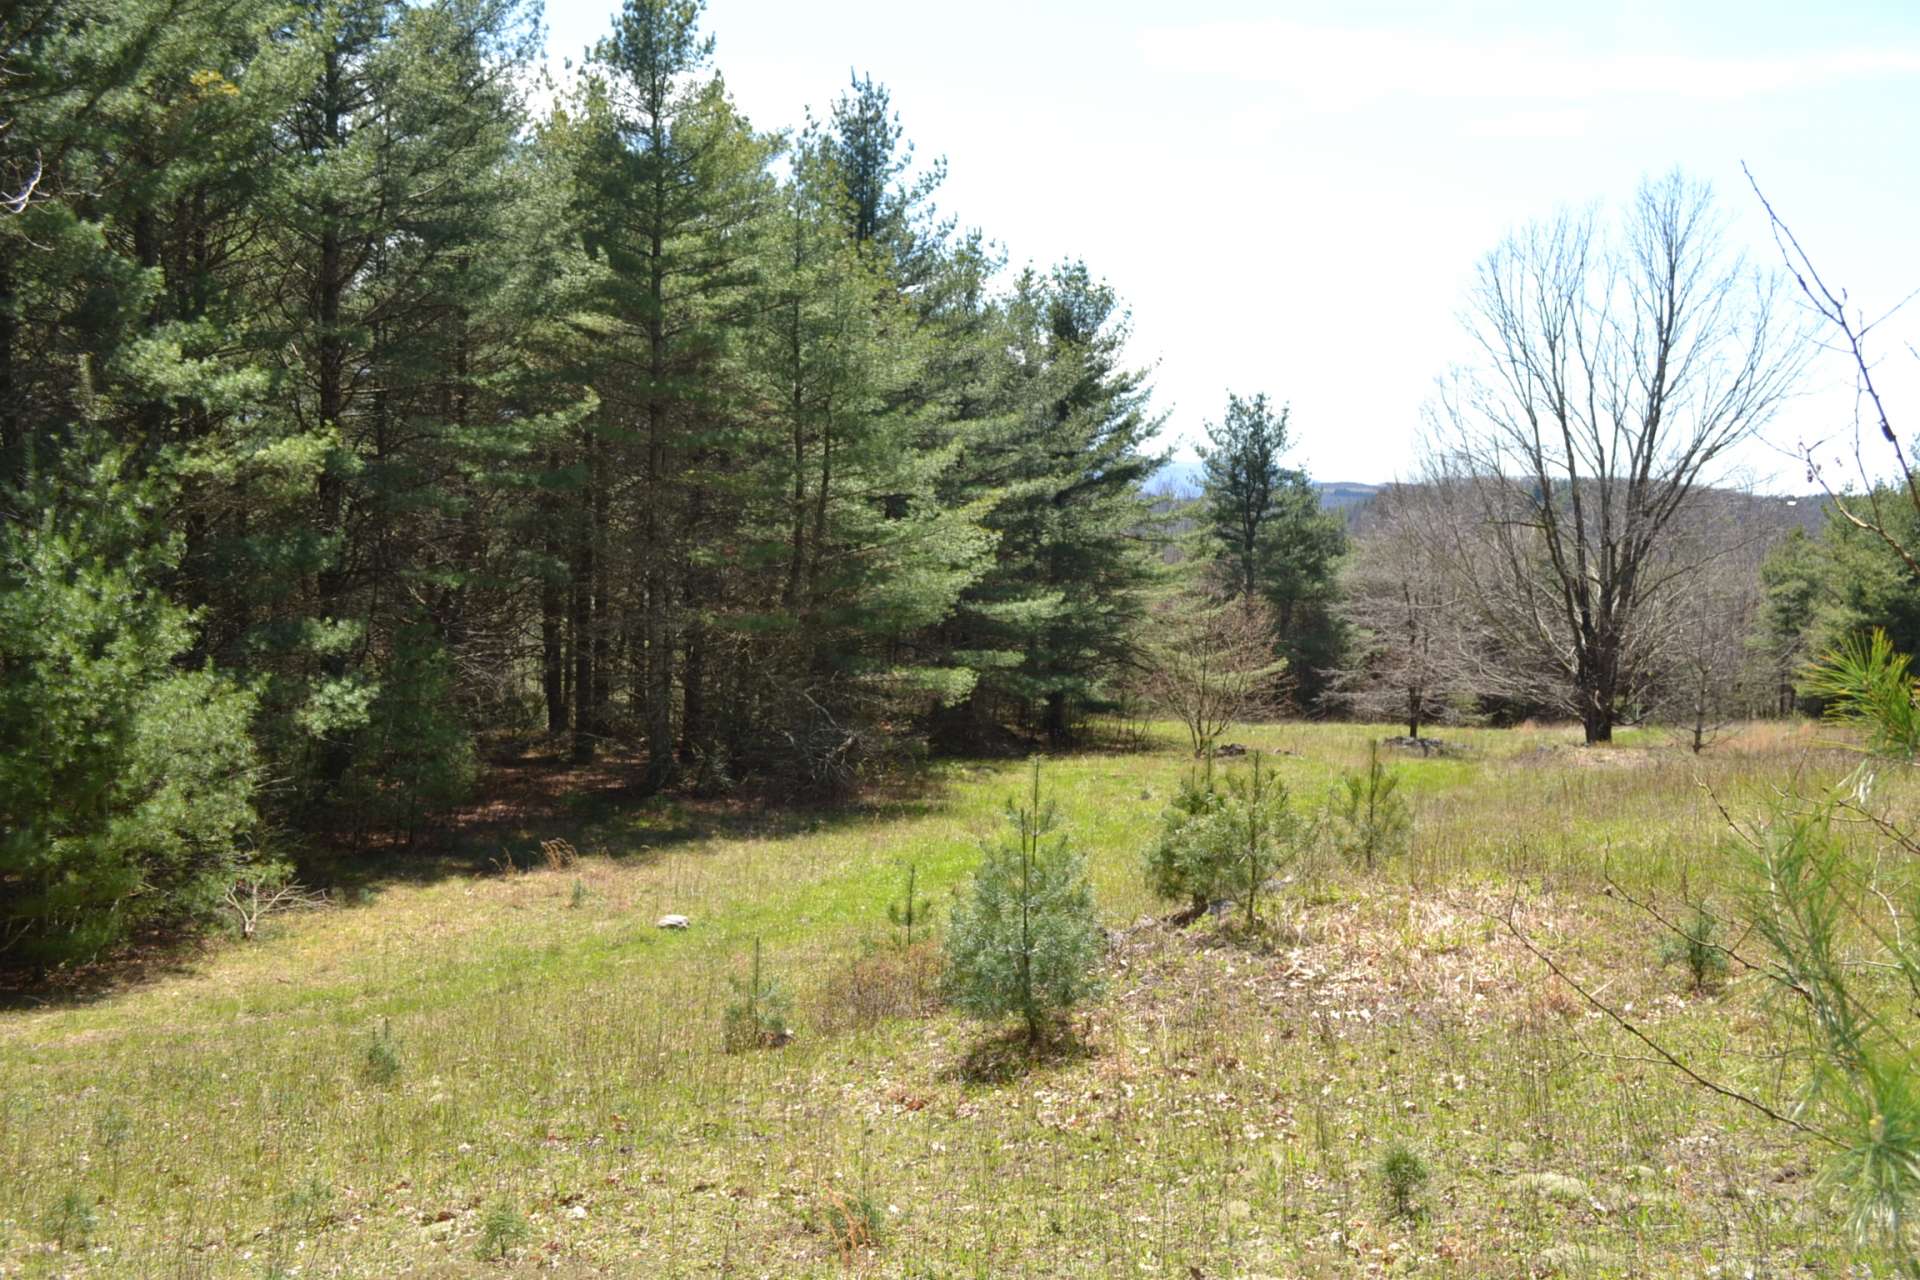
{"x":1405,"y":604}
{"x":1210,"y":663}
{"x":1620,"y":365}
{"x":1710,"y":673}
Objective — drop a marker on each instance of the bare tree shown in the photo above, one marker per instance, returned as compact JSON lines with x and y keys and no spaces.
{"x":1711,"y":673}
{"x":1210,"y":664}
{"x":1620,"y":365}
{"x":1405,"y":606}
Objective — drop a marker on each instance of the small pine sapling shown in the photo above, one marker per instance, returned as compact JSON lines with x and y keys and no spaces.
{"x":1402,"y":1174}
{"x":1693,"y":946}
{"x":757,"y":1018}
{"x":1374,"y":821}
{"x":909,"y":915}
{"x":1026,"y":939}
{"x":382,"y":1062}
{"x":503,"y":1228}
{"x":1261,"y":834}
{"x":1176,"y":865}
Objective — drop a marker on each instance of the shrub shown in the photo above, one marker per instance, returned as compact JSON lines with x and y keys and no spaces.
{"x":1372,"y":818}
{"x":1025,"y":940}
{"x":757,"y":1017}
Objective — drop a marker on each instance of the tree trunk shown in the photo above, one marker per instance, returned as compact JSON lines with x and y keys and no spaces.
{"x":584,"y":727}
{"x":13,"y":444}
{"x":1058,"y":731}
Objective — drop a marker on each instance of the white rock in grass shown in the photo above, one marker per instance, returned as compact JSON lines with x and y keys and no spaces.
{"x":673,"y":922}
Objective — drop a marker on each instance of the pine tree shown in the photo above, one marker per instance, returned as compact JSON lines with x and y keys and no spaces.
{"x":1267,"y":528}
{"x":126,"y":781}
{"x":671,"y":188}
{"x":1052,"y":624}
{"x":1026,"y":939}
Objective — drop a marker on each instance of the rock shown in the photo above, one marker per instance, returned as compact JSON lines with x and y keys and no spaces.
{"x":1420,"y":746}
{"x":1553,"y":1186}
{"x":673,"y":922}
{"x":577,"y":1212}
{"x":1230,"y":749}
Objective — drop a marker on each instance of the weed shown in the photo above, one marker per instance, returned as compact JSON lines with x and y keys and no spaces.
{"x":580,"y":895}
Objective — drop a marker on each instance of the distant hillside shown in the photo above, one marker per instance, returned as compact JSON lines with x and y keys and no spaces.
{"x":1182,"y":477}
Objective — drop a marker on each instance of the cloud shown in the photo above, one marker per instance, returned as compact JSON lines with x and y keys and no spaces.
{"x":1344,"y":68}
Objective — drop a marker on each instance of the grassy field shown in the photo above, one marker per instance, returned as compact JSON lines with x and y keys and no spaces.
{"x":521,"y":1064}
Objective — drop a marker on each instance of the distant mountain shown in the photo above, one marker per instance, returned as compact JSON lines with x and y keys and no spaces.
{"x":1338,"y":495}
{"x":1182,"y":478}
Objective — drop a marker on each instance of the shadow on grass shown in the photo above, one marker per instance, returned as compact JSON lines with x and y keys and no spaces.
{"x":529,"y":793}
{"x":1006,"y":1056}
{"x":535,"y":794}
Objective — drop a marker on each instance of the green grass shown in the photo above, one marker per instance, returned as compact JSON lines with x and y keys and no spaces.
{"x":387,"y":1088}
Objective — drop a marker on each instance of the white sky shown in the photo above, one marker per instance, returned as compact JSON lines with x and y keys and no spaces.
{"x":1292,"y":196}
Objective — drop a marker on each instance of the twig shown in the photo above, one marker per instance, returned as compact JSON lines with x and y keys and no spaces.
{"x":1665,"y":1055}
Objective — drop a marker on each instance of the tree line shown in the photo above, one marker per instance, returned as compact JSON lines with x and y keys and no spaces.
{"x":351,"y":410}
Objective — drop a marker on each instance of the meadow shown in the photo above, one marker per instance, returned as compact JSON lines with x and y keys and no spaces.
{"x":509,"y":1069}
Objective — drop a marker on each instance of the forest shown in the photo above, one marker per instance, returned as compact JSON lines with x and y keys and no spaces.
{"x":393,"y":434}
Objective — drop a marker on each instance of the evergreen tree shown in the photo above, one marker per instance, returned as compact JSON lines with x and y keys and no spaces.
{"x":1026,"y":940}
{"x":671,"y":187}
{"x":1267,"y":528}
{"x":126,"y":781}
{"x":1052,"y":625}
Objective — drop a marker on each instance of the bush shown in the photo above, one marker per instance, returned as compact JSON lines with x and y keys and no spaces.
{"x":126,"y":781}
{"x":1026,"y":940}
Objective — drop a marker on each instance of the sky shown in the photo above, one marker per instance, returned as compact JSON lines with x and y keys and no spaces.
{"x":1292,"y":196}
